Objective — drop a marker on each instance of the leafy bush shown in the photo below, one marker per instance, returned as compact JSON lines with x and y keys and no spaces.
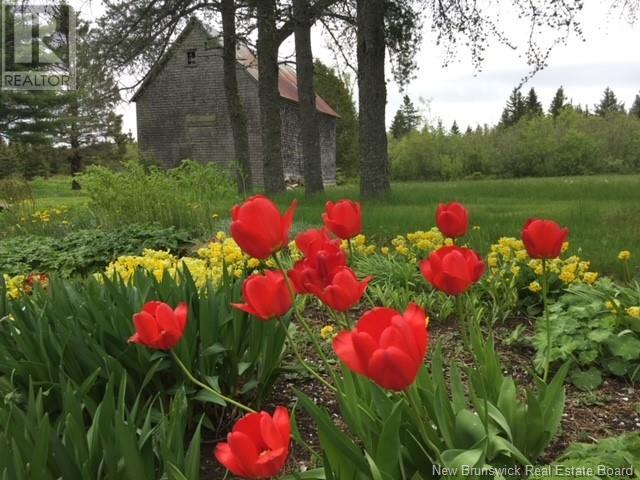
{"x":595,"y":327}
{"x":189,"y":196}
{"x":84,"y":251}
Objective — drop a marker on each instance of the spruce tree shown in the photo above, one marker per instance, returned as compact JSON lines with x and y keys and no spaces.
{"x":609,"y":104}
{"x":634,"y":111}
{"x":533,"y":106}
{"x":558,"y":103}
{"x":468,"y":131}
{"x":455,"y":130}
{"x":406,"y":120}
{"x":515,"y":109}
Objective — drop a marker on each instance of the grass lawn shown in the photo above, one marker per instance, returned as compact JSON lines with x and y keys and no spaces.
{"x":56,"y":192}
{"x":602,"y":212}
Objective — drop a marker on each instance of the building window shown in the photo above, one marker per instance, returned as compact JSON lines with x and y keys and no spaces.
{"x":191,"y":57}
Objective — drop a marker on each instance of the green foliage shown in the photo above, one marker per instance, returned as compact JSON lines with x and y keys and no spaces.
{"x":86,"y":325}
{"x":188,"y":196}
{"x":84,"y":251}
{"x":535,"y":146}
{"x":109,"y":439}
{"x":614,"y":458}
{"x":599,"y":339}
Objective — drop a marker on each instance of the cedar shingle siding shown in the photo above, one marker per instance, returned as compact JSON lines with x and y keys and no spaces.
{"x":182,"y":113}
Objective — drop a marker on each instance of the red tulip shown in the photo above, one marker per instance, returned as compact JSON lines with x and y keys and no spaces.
{"x":258,"y":228}
{"x":343,"y":218}
{"x":258,"y":445}
{"x":452,"y":269}
{"x":159,"y":326}
{"x":318,"y":267}
{"x":543,"y":238}
{"x":343,"y":290}
{"x":312,"y":240}
{"x":386,"y":346}
{"x":452,"y":219}
{"x":266,"y":296}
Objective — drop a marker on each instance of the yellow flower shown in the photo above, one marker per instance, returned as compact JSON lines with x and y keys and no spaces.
{"x":448,"y":242}
{"x":590,"y":277}
{"x":476,"y":227}
{"x":633,"y":312}
{"x":326,"y":331}
{"x":492,"y":260}
{"x":253,"y":263}
{"x":220,"y":236}
{"x":535,"y":287}
{"x":611,"y":306}
{"x":214,"y":216}
{"x":624,"y":255}
{"x":384,"y":250}
{"x":567,"y":276}
{"x":565,"y":247}
{"x":515,"y":270}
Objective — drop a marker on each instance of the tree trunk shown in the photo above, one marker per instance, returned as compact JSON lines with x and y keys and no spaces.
{"x":372,"y":96}
{"x":269,"y":93}
{"x":75,"y":162}
{"x":237,"y":115}
{"x":309,"y":122}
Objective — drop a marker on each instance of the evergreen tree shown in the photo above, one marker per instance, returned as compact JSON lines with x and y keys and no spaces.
{"x":27,"y":116}
{"x":406,"y":120}
{"x":558,"y":103}
{"x":609,"y":104}
{"x":514,"y":110}
{"x":533,"y":106}
{"x":90,"y":109}
{"x":336,"y":91}
{"x":455,"y":130}
{"x":634,"y":111}
{"x":468,"y":131}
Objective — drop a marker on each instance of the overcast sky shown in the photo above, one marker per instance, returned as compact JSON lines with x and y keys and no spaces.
{"x":608,"y":56}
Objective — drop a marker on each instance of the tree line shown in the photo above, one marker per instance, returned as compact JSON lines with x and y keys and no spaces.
{"x":566,"y":140}
{"x":133,"y":35}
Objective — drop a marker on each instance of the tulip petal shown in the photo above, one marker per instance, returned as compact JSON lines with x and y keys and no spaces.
{"x":224,"y":455}
{"x":346,"y":352}
{"x":283,"y":423}
{"x":392,"y":368}
{"x":244,"y":449}
{"x":146,"y":329}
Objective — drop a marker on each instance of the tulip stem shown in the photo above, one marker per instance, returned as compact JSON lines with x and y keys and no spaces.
{"x":350,"y":250}
{"x":309,"y":334}
{"x":545,"y":291}
{"x":207,"y":387}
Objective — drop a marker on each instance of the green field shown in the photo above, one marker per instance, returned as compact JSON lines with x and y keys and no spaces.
{"x":602,"y":212}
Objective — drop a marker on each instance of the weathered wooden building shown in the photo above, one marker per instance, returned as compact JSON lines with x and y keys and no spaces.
{"x":182,"y":112}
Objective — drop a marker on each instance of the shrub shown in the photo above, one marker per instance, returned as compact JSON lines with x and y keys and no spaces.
{"x":189,"y":196}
